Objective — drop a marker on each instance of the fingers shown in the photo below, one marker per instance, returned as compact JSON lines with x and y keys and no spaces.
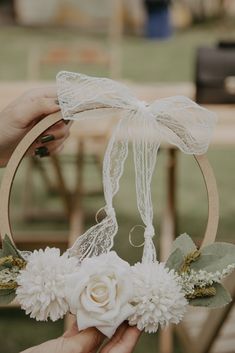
{"x":90,"y":340}
{"x":46,"y":149}
{"x":72,"y":341}
{"x":32,"y":106}
{"x":85,"y":341}
{"x":36,"y":109}
{"x":59,"y":130}
{"x":51,"y":141}
{"x":46,"y":92}
{"x":129,"y":339}
{"x":72,"y":331}
{"x":123,"y":341}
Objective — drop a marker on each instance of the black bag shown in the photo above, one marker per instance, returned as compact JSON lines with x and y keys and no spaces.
{"x":154,"y":5}
{"x":215,"y":74}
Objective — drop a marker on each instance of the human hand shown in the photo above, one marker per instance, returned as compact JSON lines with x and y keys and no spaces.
{"x":22,"y":114}
{"x":123,"y":341}
{"x":90,"y":340}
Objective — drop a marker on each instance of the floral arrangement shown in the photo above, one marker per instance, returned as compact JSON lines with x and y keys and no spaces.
{"x":103,"y":291}
{"x":93,"y":282}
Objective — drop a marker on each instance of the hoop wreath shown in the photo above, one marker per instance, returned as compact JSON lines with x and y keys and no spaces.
{"x":93,"y":282}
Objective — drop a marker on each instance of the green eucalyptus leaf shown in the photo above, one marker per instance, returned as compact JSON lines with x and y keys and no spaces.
{"x":219,"y":248}
{"x":184,"y":243}
{"x":203,"y":262}
{"x":175,"y":260}
{"x":8,"y":248}
{"x":216,"y":257}
{"x":7,"y":296}
{"x":219,"y":300}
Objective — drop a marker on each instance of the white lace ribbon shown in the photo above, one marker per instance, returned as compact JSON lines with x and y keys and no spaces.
{"x":175,"y":120}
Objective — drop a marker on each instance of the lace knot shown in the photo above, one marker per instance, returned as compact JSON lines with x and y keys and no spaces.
{"x":110,"y":211}
{"x":149,"y":231}
{"x":141,"y":107}
{"x":141,"y":104}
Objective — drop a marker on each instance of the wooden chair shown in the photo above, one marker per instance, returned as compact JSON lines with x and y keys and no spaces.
{"x":202,"y":330}
{"x":87,"y":52}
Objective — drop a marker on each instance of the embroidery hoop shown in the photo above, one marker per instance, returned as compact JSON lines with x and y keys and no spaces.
{"x":49,"y":121}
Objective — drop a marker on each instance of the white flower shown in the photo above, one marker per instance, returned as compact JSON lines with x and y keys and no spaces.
{"x":99,"y":293}
{"x":41,"y":291}
{"x":201,"y":278}
{"x":158,"y":298}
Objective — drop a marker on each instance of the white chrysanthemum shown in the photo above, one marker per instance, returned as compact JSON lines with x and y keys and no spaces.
{"x":159,"y":299}
{"x":41,"y":291}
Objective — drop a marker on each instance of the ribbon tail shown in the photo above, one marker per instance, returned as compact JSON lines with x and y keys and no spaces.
{"x":96,"y":240}
{"x":145,"y":148}
{"x":149,"y":252}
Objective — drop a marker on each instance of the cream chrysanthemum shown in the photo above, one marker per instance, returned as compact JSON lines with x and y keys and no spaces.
{"x":158,"y":300}
{"x":41,"y":291}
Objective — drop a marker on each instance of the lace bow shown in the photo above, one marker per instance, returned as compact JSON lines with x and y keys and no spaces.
{"x":175,"y":120}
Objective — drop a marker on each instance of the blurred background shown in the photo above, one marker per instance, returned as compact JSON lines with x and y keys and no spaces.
{"x":158,"y":48}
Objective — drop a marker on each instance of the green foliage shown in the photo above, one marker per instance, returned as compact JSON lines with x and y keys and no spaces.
{"x":185,"y":244}
{"x":220,"y":255}
{"x":175,"y":260}
{"x":215,"y":257}
{"x":212,"y":258}
{"x":7,"y":296}
{"x":9,"y":256}
{"x":8,"y":248}
{"x":219,"y":300}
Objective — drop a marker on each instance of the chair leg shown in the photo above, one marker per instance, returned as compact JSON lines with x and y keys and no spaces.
{"x":216,"y":320}
{"x":167,"y":237}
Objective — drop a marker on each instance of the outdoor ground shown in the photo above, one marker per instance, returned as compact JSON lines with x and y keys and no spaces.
{"x":142,"y":60}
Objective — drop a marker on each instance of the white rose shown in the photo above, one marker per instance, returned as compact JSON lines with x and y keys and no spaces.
{"x":99,"y":293}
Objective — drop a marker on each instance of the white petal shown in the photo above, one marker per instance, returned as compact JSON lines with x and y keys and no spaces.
{"x":85,"y":320}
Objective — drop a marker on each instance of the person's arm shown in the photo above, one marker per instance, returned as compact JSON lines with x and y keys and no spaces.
{"x":23,"y":113}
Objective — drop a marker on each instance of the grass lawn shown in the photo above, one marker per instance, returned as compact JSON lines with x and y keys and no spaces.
{"x":143,"y":60}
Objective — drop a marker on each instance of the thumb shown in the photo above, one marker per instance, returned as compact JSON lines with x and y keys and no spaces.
{"x":84,"y":341}
{"x":72,"y":331}
{"x":35,"y":109}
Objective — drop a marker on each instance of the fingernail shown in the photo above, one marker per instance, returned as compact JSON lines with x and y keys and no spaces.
{"x":66,"y":121}
{"x":41,"y":151}
{"x":47,"y":138}
{"x":57,"y":102}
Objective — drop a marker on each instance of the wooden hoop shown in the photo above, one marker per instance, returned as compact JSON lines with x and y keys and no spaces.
{"x":37,"y":130}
